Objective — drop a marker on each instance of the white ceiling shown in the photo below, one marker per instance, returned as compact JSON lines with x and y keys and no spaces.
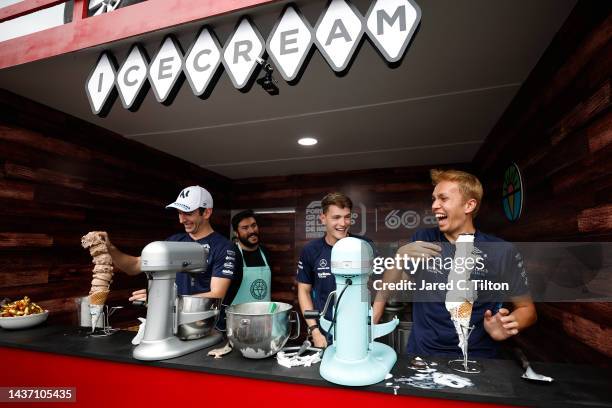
{"x":464,"y":66}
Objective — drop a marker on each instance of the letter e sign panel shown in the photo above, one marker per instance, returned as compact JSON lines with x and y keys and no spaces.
{"x":166,"y":70}
{"x":289,"y":43}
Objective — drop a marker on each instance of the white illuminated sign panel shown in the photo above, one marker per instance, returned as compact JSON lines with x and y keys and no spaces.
{"x":132,"y":78}
{"x":390,"y":25}
{"x":289,"y":43}
{"x":338,"y":33}
{"x":241,"y":52}
{"x":165,"y":70}
{"x":202,"y":63}
{"x":100,"y":85}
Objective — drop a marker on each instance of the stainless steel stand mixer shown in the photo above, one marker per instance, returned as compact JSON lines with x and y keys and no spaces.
{"x":170,"y":318}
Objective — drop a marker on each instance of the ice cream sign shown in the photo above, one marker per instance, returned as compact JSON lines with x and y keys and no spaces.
{"x":389,"y":25}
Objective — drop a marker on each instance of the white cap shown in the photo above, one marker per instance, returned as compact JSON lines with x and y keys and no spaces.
{"x":192,"y":198}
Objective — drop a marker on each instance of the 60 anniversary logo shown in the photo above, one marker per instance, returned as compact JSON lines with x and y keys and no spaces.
{"x":389,"y":24}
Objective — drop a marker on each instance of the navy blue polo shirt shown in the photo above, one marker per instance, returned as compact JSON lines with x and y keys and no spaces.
{"x":433,"y":332}
{"x":314,"y":268}
{"x":222,"y":263}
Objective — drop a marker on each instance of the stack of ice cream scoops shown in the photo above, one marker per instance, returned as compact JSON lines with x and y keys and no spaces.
{"x":102,"y":274}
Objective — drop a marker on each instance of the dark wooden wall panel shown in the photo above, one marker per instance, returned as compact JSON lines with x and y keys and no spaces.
{"x":61,"y":177}
{"x":380,"y":190}
{"x":558,"y":129}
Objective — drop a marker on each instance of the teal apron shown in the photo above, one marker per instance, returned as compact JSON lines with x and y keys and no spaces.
{"x":256,"y":280}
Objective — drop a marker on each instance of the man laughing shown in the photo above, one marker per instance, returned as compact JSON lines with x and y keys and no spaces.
{"x":455,"y":203}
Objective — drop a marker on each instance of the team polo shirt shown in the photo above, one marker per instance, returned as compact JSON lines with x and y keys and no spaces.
{"x":433,"y":332}
{"x":314,"y":268}
{"x":222,"y":263}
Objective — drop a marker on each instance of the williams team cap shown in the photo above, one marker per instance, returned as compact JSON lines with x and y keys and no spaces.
{"x":192,"y":198}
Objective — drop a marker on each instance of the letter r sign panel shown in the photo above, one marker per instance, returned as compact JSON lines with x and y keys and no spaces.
{"x":241,"y":53}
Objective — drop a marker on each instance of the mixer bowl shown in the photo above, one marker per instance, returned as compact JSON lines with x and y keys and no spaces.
{"x":199,"y":328}
{"x":257,"y":331}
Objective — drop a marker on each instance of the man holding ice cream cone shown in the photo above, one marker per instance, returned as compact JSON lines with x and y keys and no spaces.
{"x":455,"y":202}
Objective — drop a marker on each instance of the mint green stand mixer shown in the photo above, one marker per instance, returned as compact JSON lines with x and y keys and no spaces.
{"x":354,"y":358}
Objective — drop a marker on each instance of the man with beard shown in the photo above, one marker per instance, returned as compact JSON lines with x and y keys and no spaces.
{"x":256,"y":273}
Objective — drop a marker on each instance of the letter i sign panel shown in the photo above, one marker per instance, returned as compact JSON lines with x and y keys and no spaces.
{"x":100,"y":85}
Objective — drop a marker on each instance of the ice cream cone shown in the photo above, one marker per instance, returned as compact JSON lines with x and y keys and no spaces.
{"x":91,"y":239}
{"x":98,"y":298}
{"x":103,"y":269}
{"x":98,"y":249}
{"x":464,"y":311}
{"x":103,"y":259}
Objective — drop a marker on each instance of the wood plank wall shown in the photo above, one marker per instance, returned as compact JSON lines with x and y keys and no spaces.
{"x":61,"y":177}
{"x":377,"y":195}
{"x":558,"y":130}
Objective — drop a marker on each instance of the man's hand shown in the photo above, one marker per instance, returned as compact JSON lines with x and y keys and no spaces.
{"x":420,"y":249}
{"x":138,"y":295}
{"x":318,"y":339}
{"x":105,"y":238}
{"x":502,"y":325}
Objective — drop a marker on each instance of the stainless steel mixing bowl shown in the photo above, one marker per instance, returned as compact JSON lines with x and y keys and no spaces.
{"x":260,"y":329}
{"x":199,"y":328}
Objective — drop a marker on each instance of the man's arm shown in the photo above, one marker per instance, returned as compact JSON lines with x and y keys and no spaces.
{"x":124,"y":262}
{"x":504,"y":324}
{"x":305,"y":301}
{"x":413,"y":250}
{"x":392,"y":275}
{"x":218,"y":288}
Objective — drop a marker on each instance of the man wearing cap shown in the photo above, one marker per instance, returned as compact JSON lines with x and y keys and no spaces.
{"x":224,"y":273}
{"x":256,"y":272}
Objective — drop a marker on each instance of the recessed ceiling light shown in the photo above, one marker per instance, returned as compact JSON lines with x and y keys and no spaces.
{"x":308,"y":141}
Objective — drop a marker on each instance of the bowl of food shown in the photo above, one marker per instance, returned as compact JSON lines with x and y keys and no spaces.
{"x":22,"y":314}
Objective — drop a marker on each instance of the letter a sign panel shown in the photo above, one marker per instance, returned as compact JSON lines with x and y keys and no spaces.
{"x":389,"y":24}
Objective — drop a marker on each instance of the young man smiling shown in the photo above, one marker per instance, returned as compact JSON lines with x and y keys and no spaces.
{"x":455,"y":203}
{"x":224,"y":272}
{"x":315,"y":280}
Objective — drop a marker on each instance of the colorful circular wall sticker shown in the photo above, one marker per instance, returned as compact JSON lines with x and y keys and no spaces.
{"x":512,"y":193}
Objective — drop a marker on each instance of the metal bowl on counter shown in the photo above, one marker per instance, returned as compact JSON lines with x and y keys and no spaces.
{"x":261,"y":329}
{"x":196,"y":306}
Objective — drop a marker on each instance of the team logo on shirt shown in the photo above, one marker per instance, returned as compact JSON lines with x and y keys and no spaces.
{"x":323,"y":263}
{"x":259,"y":289}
